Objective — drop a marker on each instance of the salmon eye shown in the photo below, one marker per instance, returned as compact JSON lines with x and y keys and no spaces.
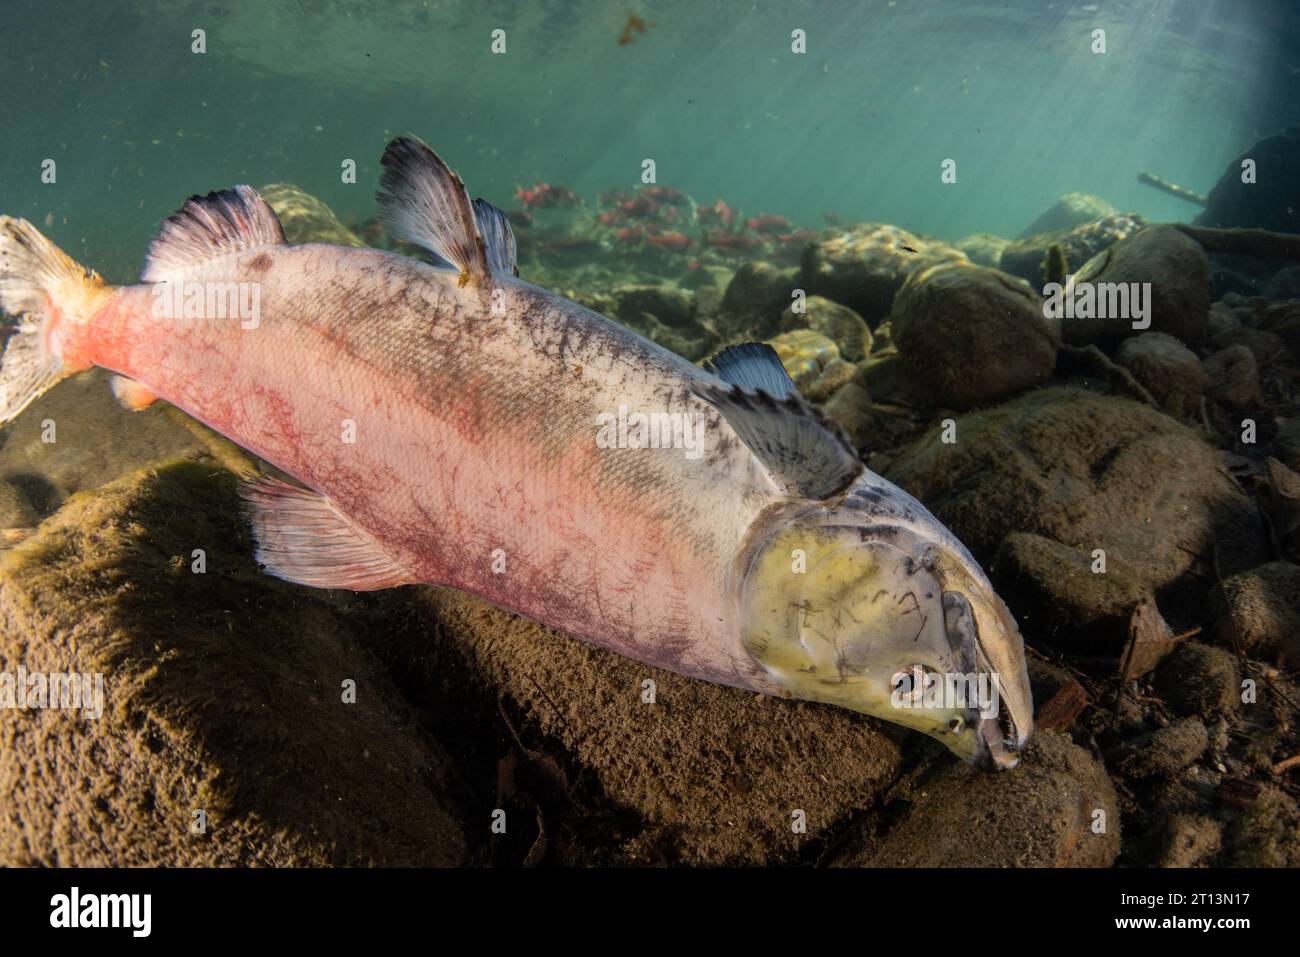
{"x":910,"y":682}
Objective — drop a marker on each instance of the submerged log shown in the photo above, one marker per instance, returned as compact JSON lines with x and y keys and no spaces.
{"x":1244,"y":242}
{"x":1173,"y":189}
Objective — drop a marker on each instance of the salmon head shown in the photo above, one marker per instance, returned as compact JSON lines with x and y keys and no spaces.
{"x":871,"y":604}
{"x":851,"y":593}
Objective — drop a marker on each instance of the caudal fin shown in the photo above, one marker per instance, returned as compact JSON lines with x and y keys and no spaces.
{"x":46,"y":289}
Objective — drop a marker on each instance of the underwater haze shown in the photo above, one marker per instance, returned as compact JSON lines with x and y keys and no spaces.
{"x":467,"y":433}
{"x":857,"y":126}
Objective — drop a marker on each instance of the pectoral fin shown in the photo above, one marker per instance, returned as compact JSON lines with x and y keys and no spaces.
{"x":303,"y":537}
{"x":803,"y":452}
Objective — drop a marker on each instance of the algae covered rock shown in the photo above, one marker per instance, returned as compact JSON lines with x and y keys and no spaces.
{"x":306,"y":219}
{"x":972,"y":334}
{"x":813,"y":361}
{"x":1288,"y":443}
{"x":1232,"y":377}
{"x":1261,"y":609}
{"x":1087,"y":471}
{"x":668,"y":304}
{"x":1167,"y":369}
{"x":1186,"y":840}
{"x":1267,"y":834}
{"x":1026,"y":258}
{"x":864,"y":267}
{"x":850,"y":408}
{"x":224,"y":737}
{"x":1070,"y":210}
{"x":1162,"y":753}
{"x":1058,"y":809}
{"x":1056,"y":590}
{"x":1200,"y":679}
{"x":675,"y":771}
{"x":78,"y":437}
{"x":16,"y":510}
{"x":1179,"y":302}
{"x":839,"y":323}
{"x":755,"y":297}
{"x":983,"y":249}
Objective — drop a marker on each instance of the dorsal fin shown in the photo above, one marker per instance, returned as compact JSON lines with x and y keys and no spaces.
{"x":206,"y":227}
{"x":803,"y":452}
{"x":422,"y":201}
{"x":498,"y":238}
{"x":754,"y":366}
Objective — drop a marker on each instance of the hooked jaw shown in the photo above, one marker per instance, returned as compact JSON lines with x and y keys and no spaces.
{"x":982,"y":632}
{"x":889,"y":615}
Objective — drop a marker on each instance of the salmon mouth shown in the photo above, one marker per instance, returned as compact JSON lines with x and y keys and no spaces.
{"x":998,"y":744}
{"x":998,"y":740}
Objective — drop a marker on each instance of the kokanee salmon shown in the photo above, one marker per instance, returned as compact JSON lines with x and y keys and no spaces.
{"x":450,"y":423}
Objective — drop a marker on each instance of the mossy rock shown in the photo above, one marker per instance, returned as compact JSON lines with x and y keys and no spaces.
{"x":222,"y":694}
{"x":703,"y":775}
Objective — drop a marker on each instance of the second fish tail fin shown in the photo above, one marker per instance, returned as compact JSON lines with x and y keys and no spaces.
{"x":50,"y":294}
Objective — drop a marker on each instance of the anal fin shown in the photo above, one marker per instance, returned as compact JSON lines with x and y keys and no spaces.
{"x":302,"y":537}
{"x":132,"y":394}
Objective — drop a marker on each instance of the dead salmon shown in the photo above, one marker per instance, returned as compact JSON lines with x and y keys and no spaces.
{"x":450,"y":423}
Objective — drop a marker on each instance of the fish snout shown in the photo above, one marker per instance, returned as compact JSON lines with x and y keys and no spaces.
{"x":985,"y":639}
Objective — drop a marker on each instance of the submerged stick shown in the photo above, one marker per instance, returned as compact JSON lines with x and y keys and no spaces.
{"x":1173,"y":189}
{"x":1244,"y":242}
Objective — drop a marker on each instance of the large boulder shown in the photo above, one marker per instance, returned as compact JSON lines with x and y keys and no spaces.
{"x":973,"y":334}
{"x":865,"y":266}
{"x":1088,"y":472}
{"x":701,"y":774}
{"x":224,"y":737}
{"x":1058,"y":809}
{"x":1027,"y":258}
{"x":1272,"y":200}
{"x":1179,"y":301}
{"x":1070,"y":210}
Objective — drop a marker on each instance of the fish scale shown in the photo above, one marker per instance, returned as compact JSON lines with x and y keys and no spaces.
{"x":462,"y":445}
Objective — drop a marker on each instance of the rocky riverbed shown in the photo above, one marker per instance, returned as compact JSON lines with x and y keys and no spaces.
{"x":1133,"y":493}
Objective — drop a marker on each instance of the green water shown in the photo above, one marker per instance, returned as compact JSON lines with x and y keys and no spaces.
{"x":858,"y":125}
